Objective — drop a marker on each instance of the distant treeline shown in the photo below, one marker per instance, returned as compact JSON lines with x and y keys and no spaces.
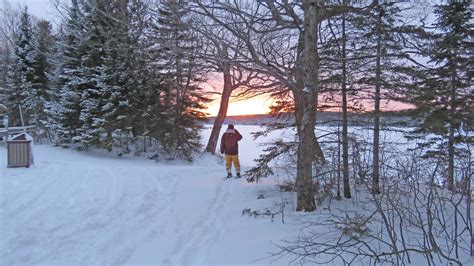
{"x":401,"y":119}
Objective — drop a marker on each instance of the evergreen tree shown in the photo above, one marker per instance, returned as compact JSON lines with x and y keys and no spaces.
{"x":21,"y":73}
{"x":178,"y":69}
{"x":119,"y":75}
{"x":110,"y":65}
{"x":53,"y":107}
{"x":39,"y":101}
{"x":93,"y":69}
{"x":378,"y":43}
{"x":444,"y":95}
{"x":5,"y":63}
{"x":108,"y":84}
{"x":70,"y":78}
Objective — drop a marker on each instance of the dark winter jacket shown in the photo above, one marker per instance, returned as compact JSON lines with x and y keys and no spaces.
{"x":229,"y":142}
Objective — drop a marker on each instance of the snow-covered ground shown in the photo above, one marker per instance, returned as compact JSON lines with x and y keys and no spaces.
{"x":77,"y":208}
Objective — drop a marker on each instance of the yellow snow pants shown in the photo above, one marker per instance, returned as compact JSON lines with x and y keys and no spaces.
{"x":232,"y":159}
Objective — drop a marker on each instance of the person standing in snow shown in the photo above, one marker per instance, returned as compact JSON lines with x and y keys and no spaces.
{"x":230,"y":147}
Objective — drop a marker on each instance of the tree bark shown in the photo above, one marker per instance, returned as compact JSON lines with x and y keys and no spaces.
{"x":376,"y":144}
{"x":306,"y":103}
{"x":216,"y":129}
{"x":305,"y":123}
{"x":345,"y":142}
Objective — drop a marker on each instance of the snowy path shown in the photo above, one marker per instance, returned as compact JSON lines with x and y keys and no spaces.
{"x":79,"y":209}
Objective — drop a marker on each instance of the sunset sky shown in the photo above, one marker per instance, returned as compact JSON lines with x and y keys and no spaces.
{"x":260,"y":105}
{"x":45,"y":9}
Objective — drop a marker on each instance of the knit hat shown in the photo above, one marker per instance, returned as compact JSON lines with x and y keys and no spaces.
{"x":230,"y":126}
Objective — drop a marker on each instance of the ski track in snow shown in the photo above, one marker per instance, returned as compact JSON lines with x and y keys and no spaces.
{"x":193,"y":245}
{"x":104,"y":213}
{"x":99,"y":211}
{"x":75,"y":208}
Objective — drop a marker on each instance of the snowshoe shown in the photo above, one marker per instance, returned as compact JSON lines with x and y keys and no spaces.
{"x":238,"y":175}
{"x":229,"y":175}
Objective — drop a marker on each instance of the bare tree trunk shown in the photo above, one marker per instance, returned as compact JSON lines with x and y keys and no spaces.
{"x":178,"y":86}
{"x":216,"y":129}
{"x":338,"y":196}
{"x":376,"y":144}
{"x":305,"y":123}
{"x":345,"y":144}
{"x":305,"y":92}
{"x":306,"y":103}
{"x":452,"y":111}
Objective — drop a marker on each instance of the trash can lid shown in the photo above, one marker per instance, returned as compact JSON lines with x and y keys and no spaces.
{"x":22,"y":136}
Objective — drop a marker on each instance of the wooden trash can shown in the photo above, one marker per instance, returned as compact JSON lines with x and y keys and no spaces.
{"x":19,"y":150}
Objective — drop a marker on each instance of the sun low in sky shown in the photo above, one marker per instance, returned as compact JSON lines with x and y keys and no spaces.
{"x":257,"y":105}
{"x":260,"y":105}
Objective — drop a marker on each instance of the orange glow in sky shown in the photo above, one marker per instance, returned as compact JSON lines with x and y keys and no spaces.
{"x":257,"y":105}
{"x":261,"y":104}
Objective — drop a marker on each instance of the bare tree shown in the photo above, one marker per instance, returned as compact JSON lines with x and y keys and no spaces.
{"x":376,"y":146}
{"x":220,"y":58}
{"x":9,"y":21}
{"x":305,"y":100}
{"x":412,"y":217}
{"x":224,"y":101}
{"x":298,"y":77}
{"x":221,"y":53}
{"x":345,"y":137}
{"x":293,"y":27}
